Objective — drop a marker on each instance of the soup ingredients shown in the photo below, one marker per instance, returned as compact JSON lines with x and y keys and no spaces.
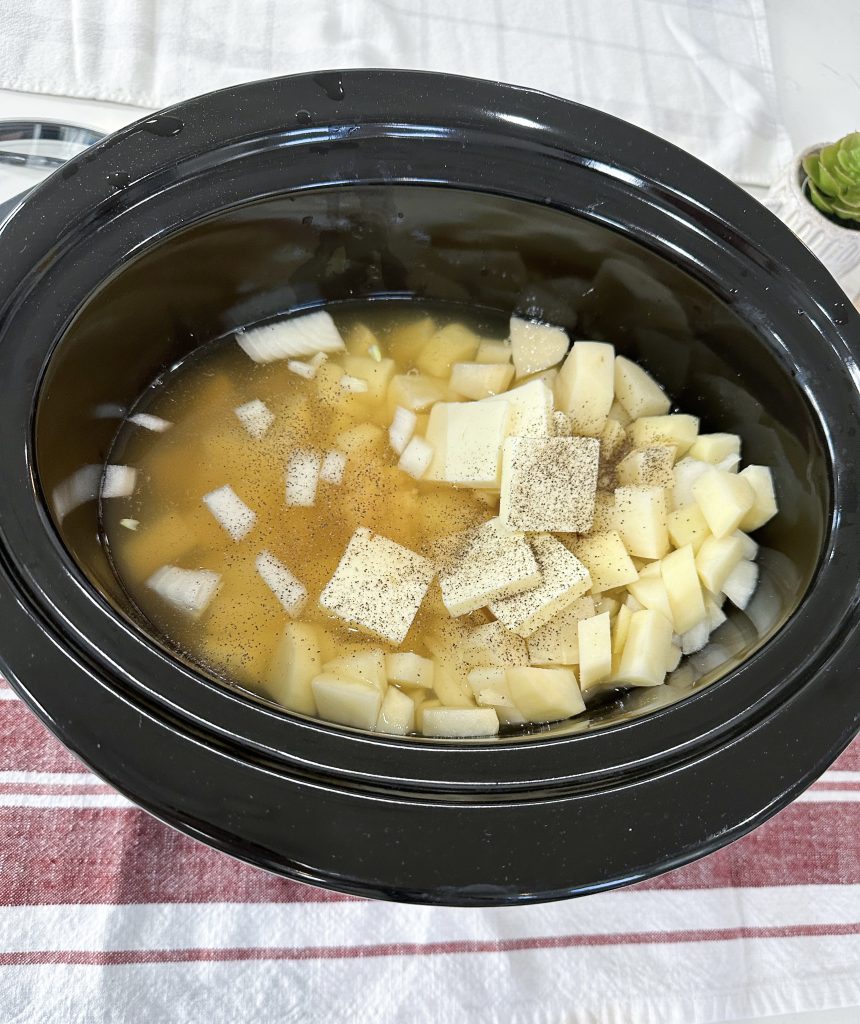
{"x":404,"y":523}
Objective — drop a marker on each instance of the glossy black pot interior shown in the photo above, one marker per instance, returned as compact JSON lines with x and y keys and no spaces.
{"x":242,"y":205}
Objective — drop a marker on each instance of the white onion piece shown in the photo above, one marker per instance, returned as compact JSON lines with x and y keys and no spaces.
{"x":402,"y":428}
{"x":148,"y":422}
{"x":416,"y":457}
{"x":750,"y":548}
{"x":696,"y":638}
{"x":741,"y":583}
{"x":230,"y":511}
{"x":82,"y":486}
{"x":189,"y":590}
{"x":333,"y":467}
{"x":291,"y":592}
{"x":293,"y":338}
{"x":317,"y":360}
{"x":130,"y":524}
{"x":256,"y":417}
{"x":119,"y":481}
{"x":353,"y":384}
{"x":300,"y":369}
{"x":303,"y":470}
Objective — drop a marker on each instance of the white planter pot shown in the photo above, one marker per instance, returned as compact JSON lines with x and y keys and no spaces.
{"x":838,"y":248}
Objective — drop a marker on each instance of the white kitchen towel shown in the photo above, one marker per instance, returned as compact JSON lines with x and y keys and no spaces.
{"x":697,"y":72}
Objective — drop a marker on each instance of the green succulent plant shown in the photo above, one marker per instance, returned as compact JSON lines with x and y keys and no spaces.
{"x":833,"y":178}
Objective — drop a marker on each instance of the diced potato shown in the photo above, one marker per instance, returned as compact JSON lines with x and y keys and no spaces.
{"x":167,"y":539}
{"x":595,"y":651}
{"x":604,"y":512}
{"x":536,"y":346}
{"x":493,"y":352}
{"x":376,"y":374}
{"x":415,"y":392}
{"x":646,"y":649}
{"x":763,"y":507}
{"x":686,"y":473}
{"x":688,"y":525}
{"x":548,"y":483}
{"x":606,"y":559}
{"x":367,"y":666}
{"x":618,"y":413}
{"x":713,"y":448}
{"x":490,"y":678}
{"x":715,"y":560}
{"x":346,"y":702}
{"x":741,"y":583}
{"x":686,"y":600}
{"x":360,"y":340}
{"x":675,"y":655}
{"x":502,"y":703}
{"x":648,"y":467}
{"x":295,"y":662}
{"x":493,"y":644}
{"x":605,"y":603}
{"x":562,"y":427}
{"x":480,"y":380}
{"x":724,"y":498}
{"x":563,"y":579}
{"x":585,"y":386}
{"x":613,"y":437}
{"x":360,"y":440}
{"x":620,"y":628}
{"x":467,"y":439}
{"x":406,"y":342}
{"x":378,"y":585}
{"x":484,"y":564}
{"x":557,"y":642}
{"x":637,"y":391}
{"x":640,"y":516}
{"x":545,"y":694}
{"x":397,"y":713}
{"x":328,"y":387}
{"x":453,"y":690}
{"x":649,"y":569}
{"x":650,"y":592}
{"x":409,"y":669}
{"x":676,"y":429}
{"x":454,"y":343}
{"x":454,"y":722}
{"x":531,"y":406}
{"x":421,"y":707}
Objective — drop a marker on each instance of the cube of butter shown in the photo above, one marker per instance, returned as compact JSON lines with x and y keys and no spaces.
{"x":467,"y":439}
{"x":549,"y":483}
{"x":564,"y":579}
{"x":483,"y":564}
{"x":378,"y":585}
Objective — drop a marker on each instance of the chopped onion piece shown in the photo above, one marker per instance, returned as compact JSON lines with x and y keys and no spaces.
{"x":189,"y":590}
{"x":300,"y":369}
{"x":741,"y":583}
{"x":354,"y":384}
{"x":317,"y":360}
{"x":119,"y":481}
{"x":231,"y":512}
{"x":402,"y":428}
{"x":293,"y":338}
{"x":303,"y":470}
{"x":333,"y":467}
{"x":416,"y":457}
{"x":80,"y":487}
{"x":148,"y":422}
{"x":290,"y":591}
{"x":256,"y":417}
{"x":696,"y":638}
{"x":130,"y":524}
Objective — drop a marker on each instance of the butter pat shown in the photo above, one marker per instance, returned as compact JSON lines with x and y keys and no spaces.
{"x":467,"y":440}
{"x":549,"y":483}
{"x":483,"y":564}
{"x":378,"y":586}
{"x":563,"y":579}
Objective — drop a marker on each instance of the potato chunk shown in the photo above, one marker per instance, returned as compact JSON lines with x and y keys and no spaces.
{"x":586,"y":385}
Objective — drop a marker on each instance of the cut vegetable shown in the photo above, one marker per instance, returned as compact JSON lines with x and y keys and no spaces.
{"x":289,"y":590}
{"x":416,"y":458}
{"x":480,"y":380}
{"x":493,"y":352}
{"x":397,"y":713}
{"x":189,"y":590}
{"x":640,"y":517}
{"x":294,"y":663}
{"x":301,"y":369}
{"x":713,"y":448}
{"x":378,"y":585}
{"x":763,"y":507}
{"x":494,"y":645}
{"x":646,"y":649}
{"x":545,"y":694}
{"x":293,"y":338}
{"x":548,"y":484}
{"x":402,"y":428}
{"x":467,"y":442}
{"x":455,"y":722}
{"x":531,"y":409}
{"x":454,"y":343}
{"x":695,"y":638}
{"x":686,"y":473}
{"x":678,"y":430}
{"x":648,"y":467}
{"x":586,"y":385}
{"x":409,"y":669}
{"x":613,"y":438}
{"x":741,"y":583}
{"x":716,"y":559}
{"x":595,"y":651}
{"x":119,"y":481}
{"x":303,"y":471}
{"x":536,"y":346}
{"x":333,"y":467}
{"x":724,"y":498}
{"x":651,"y":593}
{"x":637,"y":391}
{"x":686,"y":600}
{"x":606,"y":559}
{"x":563,"y":579}
{"x":355,"y":385}
{"x":148,"y":422}
{"x":363,"y":666}
{"x":230,"y":511}
{"x":415,"y":392}
{"x":255,"y":417}
{"x":557,"y":642}
{"x":688,"y":525}
{"x":346,"y":702}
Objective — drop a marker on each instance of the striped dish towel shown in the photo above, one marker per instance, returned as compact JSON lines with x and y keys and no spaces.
{"x":109,"y":917}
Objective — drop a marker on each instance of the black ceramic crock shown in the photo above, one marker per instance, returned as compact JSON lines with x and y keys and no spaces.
{"x":284,"y":194}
